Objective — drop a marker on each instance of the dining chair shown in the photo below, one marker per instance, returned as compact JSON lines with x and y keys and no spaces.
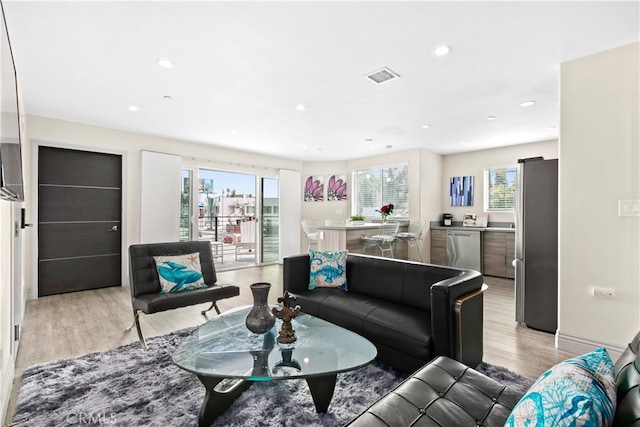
{"x":310,"y":228}
{"x":383,"y":238}
{"x":413,"y":235}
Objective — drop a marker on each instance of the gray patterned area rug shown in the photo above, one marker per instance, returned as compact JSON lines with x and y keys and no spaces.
{"x":129,"y":387}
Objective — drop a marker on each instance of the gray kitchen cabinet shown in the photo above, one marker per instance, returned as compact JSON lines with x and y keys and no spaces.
{"x":439,"y":247}
{"x":498,"y":252}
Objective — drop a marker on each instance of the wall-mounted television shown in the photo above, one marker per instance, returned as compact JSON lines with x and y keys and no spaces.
{"x":11,"y":183}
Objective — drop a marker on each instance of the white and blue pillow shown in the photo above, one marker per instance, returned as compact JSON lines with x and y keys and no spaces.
{"x":580,"y":391}
{"x":328,"y":269}
{"x":179,"y":273}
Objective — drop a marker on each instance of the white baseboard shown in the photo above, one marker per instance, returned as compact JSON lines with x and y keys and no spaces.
{"x":579,"y":345}
{"x":5,"y":392}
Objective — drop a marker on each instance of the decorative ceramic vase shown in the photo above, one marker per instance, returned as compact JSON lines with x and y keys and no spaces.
{"x":260,"y":320}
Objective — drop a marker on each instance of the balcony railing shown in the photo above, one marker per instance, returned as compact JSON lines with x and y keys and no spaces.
{"x":225,"y":228}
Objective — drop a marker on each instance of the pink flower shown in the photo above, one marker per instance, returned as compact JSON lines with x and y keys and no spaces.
{"x":337,"y":189}
{"x":313,"y":190}
{"x":386,"y":210}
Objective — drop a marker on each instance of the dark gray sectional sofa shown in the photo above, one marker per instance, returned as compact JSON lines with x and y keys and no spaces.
{"x":411,"y":311}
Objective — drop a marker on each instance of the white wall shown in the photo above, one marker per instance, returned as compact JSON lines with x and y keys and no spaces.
{"x":342,"y":210}
{"x":6,"y":261}
{"x":599,"y":164}
{"x":473,"y":164}
{"x":326,"y":209}
{"x":430,"y":194}
{"x":81,"y":136}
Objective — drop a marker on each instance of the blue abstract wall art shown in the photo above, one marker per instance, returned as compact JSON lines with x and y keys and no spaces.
{"x":461,"y":191}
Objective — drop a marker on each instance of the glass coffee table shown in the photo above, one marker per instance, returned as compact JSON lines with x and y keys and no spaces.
{"x":228,"y":358}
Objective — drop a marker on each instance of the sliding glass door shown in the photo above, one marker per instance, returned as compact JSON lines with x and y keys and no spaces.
{"x":225,"y":209}
{"x":270,"y":202}
{"x":186,"y":205}
{"x":227,"y":216}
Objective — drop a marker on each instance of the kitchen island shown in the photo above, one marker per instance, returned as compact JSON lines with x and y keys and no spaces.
{"x":347,"y":237}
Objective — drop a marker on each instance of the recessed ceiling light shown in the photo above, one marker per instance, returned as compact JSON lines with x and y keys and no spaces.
{"x":234,"y":131}
{"x":491,"y":118}
{"x":301,"y":107}
{"x":426,"y":126}
{"x":441,"y":51}
{"x":527,"y":103}
{"x":133,"y":108}
{"x":165,"y":63}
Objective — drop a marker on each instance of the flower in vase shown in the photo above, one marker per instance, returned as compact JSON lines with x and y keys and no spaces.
{"x":385,"y":211}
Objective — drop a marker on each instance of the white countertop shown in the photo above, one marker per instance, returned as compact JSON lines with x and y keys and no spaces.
{"x":458,"y":228}
{"x":364,"y":226}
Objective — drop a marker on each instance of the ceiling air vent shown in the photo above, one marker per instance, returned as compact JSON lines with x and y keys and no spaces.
{"x":382,"y":75}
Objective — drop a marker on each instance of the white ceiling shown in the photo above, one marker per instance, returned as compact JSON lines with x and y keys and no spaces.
{"x":240,"y":69}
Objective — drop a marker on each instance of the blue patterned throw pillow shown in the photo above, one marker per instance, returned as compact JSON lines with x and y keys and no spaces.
{"x":179,"y":272}
{"x":580,"y":391}
{"x":328,"y":269}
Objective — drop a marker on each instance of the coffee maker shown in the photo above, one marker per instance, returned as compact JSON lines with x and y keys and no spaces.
{"x":447,"y":219}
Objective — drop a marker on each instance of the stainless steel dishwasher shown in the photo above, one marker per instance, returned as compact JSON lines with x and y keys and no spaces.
{"x":464,"y":250}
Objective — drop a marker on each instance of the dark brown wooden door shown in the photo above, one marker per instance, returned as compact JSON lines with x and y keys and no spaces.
{"x":79,"y":220}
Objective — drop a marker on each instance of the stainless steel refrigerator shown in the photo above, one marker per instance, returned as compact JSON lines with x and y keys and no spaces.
{"x":536,"y":254}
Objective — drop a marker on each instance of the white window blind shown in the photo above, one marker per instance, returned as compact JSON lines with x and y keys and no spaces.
{"x":159,"y":197}
{"x":500,"y":189}
{"x":374,"y":187}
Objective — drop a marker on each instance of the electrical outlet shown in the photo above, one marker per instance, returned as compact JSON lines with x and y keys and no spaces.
{"x":630,"y":207}
{"x":606,"y":293}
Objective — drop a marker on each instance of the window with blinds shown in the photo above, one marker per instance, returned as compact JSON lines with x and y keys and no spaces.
{"x":500,"y":189}
{"x":375,"y":187}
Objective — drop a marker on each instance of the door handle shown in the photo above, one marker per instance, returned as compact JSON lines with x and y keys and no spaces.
{"x":114,"y":228}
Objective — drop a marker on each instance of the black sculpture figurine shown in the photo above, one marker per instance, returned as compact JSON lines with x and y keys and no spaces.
{"x":287,"y":335}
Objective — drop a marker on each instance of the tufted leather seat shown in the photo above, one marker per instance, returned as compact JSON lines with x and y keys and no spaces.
{"x":444,"y":392}
{"x":627,"y":370}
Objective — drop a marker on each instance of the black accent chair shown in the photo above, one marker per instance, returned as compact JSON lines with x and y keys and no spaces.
{"x":145,"y":284}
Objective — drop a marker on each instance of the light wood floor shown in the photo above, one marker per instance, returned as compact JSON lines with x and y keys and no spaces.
{"x":64,"y":326}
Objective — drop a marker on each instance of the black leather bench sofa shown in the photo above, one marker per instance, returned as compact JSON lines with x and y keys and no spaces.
{"x":412,"y":312}
{"x":448,"y":393}
{"x":145,"y":284}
